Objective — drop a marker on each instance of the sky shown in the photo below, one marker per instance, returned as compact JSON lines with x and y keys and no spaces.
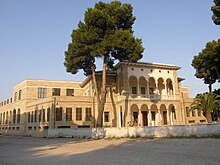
{"x":35,"y":34}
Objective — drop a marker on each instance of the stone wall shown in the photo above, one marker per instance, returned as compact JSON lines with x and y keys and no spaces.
{"x":203,"y":130}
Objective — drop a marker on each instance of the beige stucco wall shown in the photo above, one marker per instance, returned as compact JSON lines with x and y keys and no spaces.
{"x":120,"y":102}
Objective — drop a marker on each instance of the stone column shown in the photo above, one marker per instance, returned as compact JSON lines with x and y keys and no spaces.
{"x":149,"y":118}
{"x":140,"y":118}
{"x":119,"y":117}
{"x":168,"y":117}
{"x":158,"y":118}
{"x":138,"y":87}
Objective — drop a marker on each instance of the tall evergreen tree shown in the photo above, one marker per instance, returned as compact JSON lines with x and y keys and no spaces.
{"x":207,"y":63}
{"x":105,"y":33}
{"x":216,"y":12}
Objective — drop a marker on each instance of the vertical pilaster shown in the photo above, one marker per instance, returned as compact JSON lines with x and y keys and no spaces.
{"x":140,"y":117}
{"x":149,"y":118}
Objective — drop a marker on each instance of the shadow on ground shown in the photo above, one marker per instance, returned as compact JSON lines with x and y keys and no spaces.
{"x":19,"y":150}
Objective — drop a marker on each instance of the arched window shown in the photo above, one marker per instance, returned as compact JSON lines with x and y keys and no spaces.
{"x":143,"y":86}
{"x":133,"y":85}
{"x":169,"y":85}
{"x":152,"y":85}
{"x":161,"y":85}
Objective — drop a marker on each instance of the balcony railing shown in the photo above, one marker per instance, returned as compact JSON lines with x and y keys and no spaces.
{"x":153,"y":96}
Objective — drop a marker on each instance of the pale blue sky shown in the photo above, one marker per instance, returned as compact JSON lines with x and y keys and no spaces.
{"x":35,"y":34}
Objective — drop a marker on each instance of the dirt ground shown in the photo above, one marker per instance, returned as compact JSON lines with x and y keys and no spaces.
{"x":43,"y":151}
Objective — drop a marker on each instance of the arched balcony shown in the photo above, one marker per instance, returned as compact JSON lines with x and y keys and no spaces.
{"x":152,"y":88}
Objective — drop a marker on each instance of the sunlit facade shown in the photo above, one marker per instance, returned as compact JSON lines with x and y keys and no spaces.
{"x":138,"y":94}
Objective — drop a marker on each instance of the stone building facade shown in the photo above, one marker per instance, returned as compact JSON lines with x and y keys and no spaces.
{"x":138,"y":94}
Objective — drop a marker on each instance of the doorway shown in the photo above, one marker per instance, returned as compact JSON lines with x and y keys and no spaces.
{"x":165,"y":117}
{"x":144,"y":118}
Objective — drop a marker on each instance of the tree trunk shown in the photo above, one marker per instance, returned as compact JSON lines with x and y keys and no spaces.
{"x":95,"y":88}
{"x":103,"y":96}
{"x":208,"y":116}
{"x":210,"y":87}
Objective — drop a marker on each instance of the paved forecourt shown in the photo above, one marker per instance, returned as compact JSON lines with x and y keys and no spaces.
{"x":54,"y":151}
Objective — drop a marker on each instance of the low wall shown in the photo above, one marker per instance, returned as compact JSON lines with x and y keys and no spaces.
{"x":203,"y":130}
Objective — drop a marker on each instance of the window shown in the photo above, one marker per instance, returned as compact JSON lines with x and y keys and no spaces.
{"x":151,"y":90}
{"x":174,"y":114}
{"x":39,"y":116}
{"x":187,"y":112}
{"x":32,"y":116}
{"x":106,"y":116}
{"x":133,"y":90}
{"x":56,"y":91}
{"x":88,"y":114}
{"x":135,"y":115}
{"x":78,"y":114}
{"x":19,"y":95}
{"x":153,"y":116}
{"x":48,"y":114}
{"x":42,"y":92}
{"x":193,"y":113}
{"x":18,"y":116}
{"x":69,"y":92}
{"x":6,"y":121}
{"x":143,"y":91}
{"x":68,"y":114}
{"x":29,"y":117}
{"x":43,"y":115}
{"x":58,"y":114}
{"x":35,"y":116}
{"x":15,"y":96}
{"x":14,"y":116}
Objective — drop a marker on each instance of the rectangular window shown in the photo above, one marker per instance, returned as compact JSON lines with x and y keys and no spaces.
{"x":43,"y":115}
{"x":135,"y":115}
{"x":151,"y":91}
{"x":106,"y":116}
{"x":56,"y":91}
{"x":19,"y":95}
{"x":153,"y":116}
{"x":39,"y":116}
{"x":187,"y":112}
{"x":134,"y":90}
{"x":193,"y":113}
{"x":88,"y":114}
{"x":143,"y":91}
{"x":58,"y":114}
{"x":68,"y":114}
{"x":48,"y":114}
{"x":15,"y":97}
{"x":42,"y":92}
{"x":32,"y":117}
{"x":29,"y":117}
{"x":35,"y":116}
{"x":78,"y":114}
{"x":69,"y":92}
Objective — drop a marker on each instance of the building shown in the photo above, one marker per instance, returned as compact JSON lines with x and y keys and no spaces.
{"x":138,"y":94}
